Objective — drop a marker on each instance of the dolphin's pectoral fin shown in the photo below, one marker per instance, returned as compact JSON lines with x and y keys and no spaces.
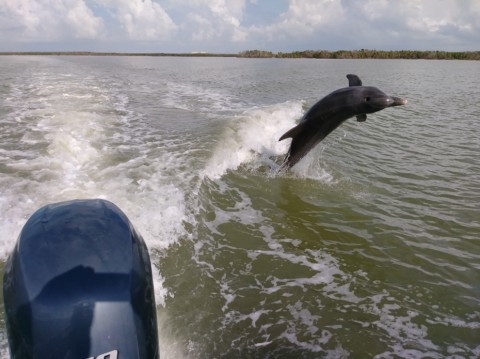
{"x":354,"y":80}
{"x":362,"y":117}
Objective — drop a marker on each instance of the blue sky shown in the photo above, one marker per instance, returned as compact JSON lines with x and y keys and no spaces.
{"x":230,"y":26}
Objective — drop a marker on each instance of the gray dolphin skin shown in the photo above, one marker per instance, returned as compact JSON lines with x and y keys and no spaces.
{"x":328,"y":113}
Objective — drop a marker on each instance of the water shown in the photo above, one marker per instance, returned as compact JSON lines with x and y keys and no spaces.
{"x":369,"y":248}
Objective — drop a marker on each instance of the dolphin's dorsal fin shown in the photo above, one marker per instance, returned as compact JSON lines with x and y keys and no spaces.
{"x":362,"y":117}
{"x":354,"y":80}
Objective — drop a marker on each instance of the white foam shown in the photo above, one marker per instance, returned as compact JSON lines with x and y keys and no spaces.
{"x":197,"y":98}
{"x":315,"y":346}
{"x":169,"y":346}
{"x":311,"y":167}
{"x":252,"y":137}
{"x":80,"y":141}
{"x":400,"y":327}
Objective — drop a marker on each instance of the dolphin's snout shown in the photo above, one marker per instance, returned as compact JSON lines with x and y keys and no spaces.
{"x":397,"y":101}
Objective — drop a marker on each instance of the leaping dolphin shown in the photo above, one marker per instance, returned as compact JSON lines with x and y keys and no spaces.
{"x":328,"y":113}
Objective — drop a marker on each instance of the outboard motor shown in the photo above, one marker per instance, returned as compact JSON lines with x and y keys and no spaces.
{"x":78,"y":285}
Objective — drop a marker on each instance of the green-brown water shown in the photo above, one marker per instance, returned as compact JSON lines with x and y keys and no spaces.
{"x":369,"y":248}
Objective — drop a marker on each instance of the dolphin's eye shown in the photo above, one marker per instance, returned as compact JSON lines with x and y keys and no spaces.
{"x":367,"y":99}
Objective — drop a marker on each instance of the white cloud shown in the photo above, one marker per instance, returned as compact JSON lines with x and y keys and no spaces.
{"x":429,"y":18}
{"x":374,"y":9}
{"x":81,"y":19}
{"x":305,"y":17}
{"x":203,"y":29}
{"x":213,"y":19}
{"x":314,"y":13}
{"x":239,"y":35}
{"x":229,"y":12}
{"x":380,"y":23}
{"x":46,"y":20}
{"x":335,"y":24}
{"x":225,"y":25}
{"x":141,"y":19}
{"x":426,"y":24}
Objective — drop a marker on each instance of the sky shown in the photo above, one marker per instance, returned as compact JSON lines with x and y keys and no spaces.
{"x":232,"y":26}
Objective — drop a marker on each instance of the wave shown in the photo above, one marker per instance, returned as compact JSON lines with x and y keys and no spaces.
{"x":251,"y":140}
{"x":73,"y":137}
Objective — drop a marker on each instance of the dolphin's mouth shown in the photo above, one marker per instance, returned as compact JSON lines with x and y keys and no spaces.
{"x":397,"y":101}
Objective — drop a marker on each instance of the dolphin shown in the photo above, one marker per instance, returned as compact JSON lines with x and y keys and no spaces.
{"x":328,"y":113}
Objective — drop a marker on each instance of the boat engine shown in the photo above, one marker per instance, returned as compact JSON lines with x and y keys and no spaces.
{"x":78,"y":285}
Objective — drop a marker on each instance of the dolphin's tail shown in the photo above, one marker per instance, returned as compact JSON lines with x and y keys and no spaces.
{"x":286,"y":165}
{"x":302,"y":142}
{"x":291,"y":160}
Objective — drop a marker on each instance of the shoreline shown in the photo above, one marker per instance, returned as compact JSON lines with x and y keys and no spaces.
{"x":309,"y":54}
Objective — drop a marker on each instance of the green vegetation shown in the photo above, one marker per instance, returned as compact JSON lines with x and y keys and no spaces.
{"x":89,"y":53}
{"x":366,"y":54}
{"x":309,"y":54}
{"x":257,"y":54}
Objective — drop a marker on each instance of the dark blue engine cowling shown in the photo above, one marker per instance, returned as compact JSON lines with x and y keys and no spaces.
{"x":78,"y":285}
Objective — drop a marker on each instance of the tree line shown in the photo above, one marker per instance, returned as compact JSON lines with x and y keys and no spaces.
{"x":364,"y":54}
{"x":90,"y":53}
{"x":308,"y":54}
